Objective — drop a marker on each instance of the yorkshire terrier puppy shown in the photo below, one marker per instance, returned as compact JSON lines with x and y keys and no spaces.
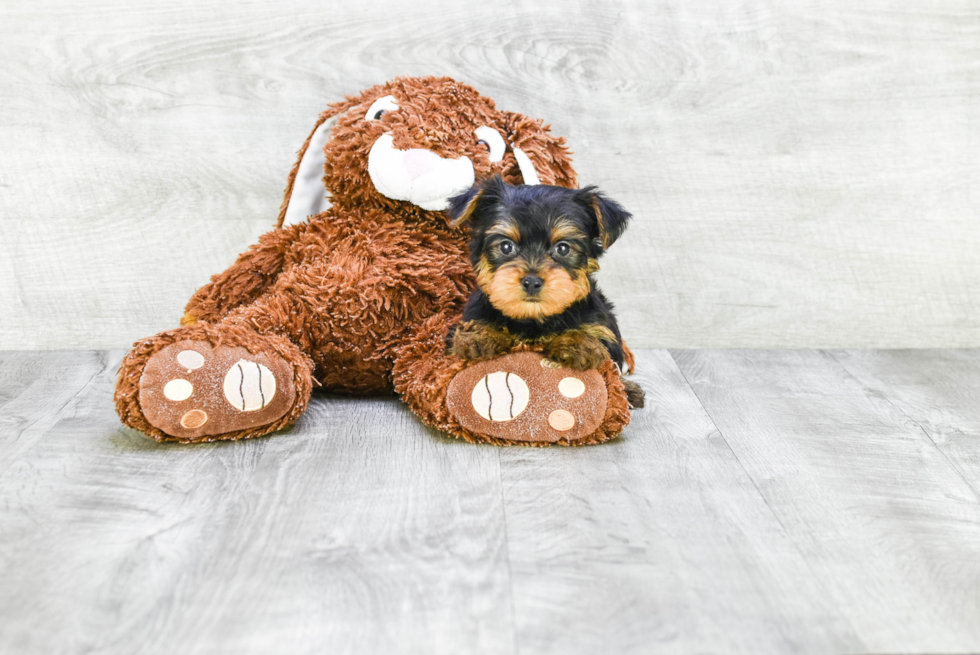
{"x":535,"y":250}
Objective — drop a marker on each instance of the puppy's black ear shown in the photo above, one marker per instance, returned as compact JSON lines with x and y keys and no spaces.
{"x":610,"y":216}
{"x":463,"y":206}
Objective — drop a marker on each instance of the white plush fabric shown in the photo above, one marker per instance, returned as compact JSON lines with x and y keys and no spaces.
{"x":494,"y":142}
{"x":309,"y":196}
{"x":418,"y":176}
{"x":387,"y":103}
{"x":524,"y":162}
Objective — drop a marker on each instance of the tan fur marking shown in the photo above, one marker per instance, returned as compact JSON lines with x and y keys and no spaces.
{"x":565,"y":230}
{"x":506,"y":228}
{"x":559,"y":291}
{"x":600,"y":332}
{"x":484,"y":274}
{"x":506,"y":294}
{"x":599,"y":219}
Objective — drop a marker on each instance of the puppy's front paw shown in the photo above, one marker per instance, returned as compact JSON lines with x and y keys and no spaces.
{"x":478,"y":341}
{"x":576,"y":350}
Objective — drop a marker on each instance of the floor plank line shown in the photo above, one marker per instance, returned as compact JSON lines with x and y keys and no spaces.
{"x":890,"y":399}
{"x":507,"y":558}
{"x":721,"y":433}
{"x":43,"y":403}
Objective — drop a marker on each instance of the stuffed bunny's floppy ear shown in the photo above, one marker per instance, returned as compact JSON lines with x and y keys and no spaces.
{"x":305,"y":193}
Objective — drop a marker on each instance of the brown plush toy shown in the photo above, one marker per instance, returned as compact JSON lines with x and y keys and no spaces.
{"x":356,"y":289}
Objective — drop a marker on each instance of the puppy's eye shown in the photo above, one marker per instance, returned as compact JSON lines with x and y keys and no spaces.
{"x":380,"y":107}
{"x":562,"y":249}
{"x":492,"y":141}
{"x":507,"y":247}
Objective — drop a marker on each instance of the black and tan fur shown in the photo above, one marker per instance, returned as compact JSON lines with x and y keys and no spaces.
{"x":535,"y":250}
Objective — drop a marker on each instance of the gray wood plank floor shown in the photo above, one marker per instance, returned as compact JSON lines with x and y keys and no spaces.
{"x":763,"y":502}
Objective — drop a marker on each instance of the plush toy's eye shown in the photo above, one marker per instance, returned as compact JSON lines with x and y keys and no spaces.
{"x":491,"y":138}
{"x":562,"y":249}
{"x":380,"y":107}
{"x":507,"y":247}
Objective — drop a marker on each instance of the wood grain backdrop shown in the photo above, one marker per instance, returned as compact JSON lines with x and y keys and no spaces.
{"x":803,"y":174}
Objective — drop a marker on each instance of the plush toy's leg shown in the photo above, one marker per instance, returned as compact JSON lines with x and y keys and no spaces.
{"x":519,"y":398}
{"x":249,"y":277}
{"x":207,"y":382}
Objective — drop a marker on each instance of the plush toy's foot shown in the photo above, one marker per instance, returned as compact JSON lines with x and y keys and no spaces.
{"x":191,"y":390}
{"x":209,"y":382}
{"x":523,"y":397}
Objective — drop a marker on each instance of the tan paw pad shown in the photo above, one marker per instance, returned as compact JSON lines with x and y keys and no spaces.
{"x":194,"y":419}
{"x":561,"y":420}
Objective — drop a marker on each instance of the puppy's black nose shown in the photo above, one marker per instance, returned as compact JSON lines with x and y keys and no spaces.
{"x":532,"y":284}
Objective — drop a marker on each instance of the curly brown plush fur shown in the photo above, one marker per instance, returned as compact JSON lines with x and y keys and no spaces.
{"x":359,"y":298}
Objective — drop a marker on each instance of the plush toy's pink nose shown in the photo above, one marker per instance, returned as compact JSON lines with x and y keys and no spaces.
{"x":418,"y":162}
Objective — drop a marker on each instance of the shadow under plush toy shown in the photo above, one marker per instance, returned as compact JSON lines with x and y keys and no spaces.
{"x":356,"y":289}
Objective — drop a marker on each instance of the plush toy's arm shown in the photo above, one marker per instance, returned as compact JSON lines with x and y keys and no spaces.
{"x":630,"y":361}
{"x":251,"y":274}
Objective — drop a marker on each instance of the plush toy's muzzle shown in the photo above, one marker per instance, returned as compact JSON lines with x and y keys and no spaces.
{"x":417,"y":175}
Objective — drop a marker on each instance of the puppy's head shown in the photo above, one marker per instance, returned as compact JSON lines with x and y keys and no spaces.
{"x":534,"y":247}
